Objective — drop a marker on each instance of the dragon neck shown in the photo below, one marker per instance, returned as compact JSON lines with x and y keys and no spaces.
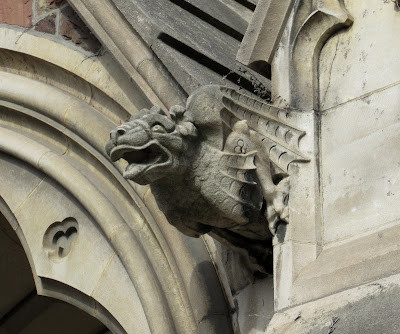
{"x":197,"y":158}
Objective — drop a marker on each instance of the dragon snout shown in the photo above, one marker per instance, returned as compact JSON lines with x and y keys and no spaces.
{"x":129,"y":134}
{"x":118,"y":132}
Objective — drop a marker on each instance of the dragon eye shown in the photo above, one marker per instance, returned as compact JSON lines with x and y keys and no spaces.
{"x":158,"y":128}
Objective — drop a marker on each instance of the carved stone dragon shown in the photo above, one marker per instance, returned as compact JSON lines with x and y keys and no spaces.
{"x":218,"y":166}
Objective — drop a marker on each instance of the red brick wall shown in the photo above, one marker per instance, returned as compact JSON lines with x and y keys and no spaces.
{"x":16,"y":12}
{"x":55,"y":17}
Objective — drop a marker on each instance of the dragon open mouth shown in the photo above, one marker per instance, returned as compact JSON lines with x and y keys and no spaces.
{"x":140,"y":159}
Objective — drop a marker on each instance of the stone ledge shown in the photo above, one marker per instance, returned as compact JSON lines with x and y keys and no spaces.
{"x":367,"y":309}
{"x":349,"y":265}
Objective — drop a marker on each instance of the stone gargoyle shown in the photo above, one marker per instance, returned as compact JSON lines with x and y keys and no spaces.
{"x":218,"y":166}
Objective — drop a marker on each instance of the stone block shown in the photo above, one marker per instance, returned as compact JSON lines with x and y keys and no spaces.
{"x":255,"y":306}
{"x":368,"y":309}
{"x":16,"y":12}
{"x":116,"y":293}
{"x":89,"y":253}
{"x":363,"y":58}
{"x":264,"y":32}
{"x":22,"y":186}
{"x":350,"y":264}
{"x":360,"y":164}
{"x":47,"y":25}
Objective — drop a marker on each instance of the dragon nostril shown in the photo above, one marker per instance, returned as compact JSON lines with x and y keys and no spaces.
{"x":121,"y":132}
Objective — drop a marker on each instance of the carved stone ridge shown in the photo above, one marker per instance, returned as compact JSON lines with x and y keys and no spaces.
{"x":219,"y":166}
{"x":264,"y":32}
{"x":327,"y":17}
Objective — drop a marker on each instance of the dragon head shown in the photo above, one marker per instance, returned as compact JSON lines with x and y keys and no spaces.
{"x":153,"y":144}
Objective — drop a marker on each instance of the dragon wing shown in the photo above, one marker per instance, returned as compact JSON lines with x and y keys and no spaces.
{"x":252,"y":151}
{"x":269,"y":123}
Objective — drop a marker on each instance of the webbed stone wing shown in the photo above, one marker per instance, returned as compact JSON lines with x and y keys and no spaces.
{"x":269,"y":123}
{"x":242,"y":195}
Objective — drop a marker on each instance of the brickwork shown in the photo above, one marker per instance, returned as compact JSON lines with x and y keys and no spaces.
{"x":55,"y":17}
{"x":16,"y":12}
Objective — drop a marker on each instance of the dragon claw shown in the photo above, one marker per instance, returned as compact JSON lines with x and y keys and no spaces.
{"x":278,"y":209}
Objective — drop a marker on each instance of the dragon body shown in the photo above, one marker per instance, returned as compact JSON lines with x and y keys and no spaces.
{"x":218,"y":166}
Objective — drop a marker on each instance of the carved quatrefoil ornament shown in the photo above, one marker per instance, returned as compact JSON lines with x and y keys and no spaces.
{"x":59,"y":238}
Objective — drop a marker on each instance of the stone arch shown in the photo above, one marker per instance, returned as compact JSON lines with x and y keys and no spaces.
{"x":53,"y":167}
{"x":56,"y":289}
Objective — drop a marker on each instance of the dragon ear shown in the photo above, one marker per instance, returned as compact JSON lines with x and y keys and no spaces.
{"x":180,"y":114}
{"x":183,"y":120}
{"x":143,"y":112}
{"x":157,"y":110}
{"x":187,"y":129}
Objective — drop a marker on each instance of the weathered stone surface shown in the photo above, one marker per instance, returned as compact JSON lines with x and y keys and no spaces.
{"x":49,"y":202}
{"x":368,"y":309}
{"x":17,"y":12}
{"x":130,"y":52}
{"x":21,"y":308}
{"x":355,"y":221}
{"x":349,"y":264}
{"x":44,"y":6}
{"x":195,"y":266}
{"x":344,"y":217}
{"x":29,"y":179}
{"x":295,"y":65}
{"x":47,"y":24}
{"x":206,"y":52}
{"x":362,"y":59}
{"x":358,"y":135}
{"x":121,"y":299}
{"x":45,"y":64}
{"x":360,"y":165}
{"x":264,"y":32}
{"x":255,"y":306}
{"x":73,"y":29}
{"x":35,"y":221}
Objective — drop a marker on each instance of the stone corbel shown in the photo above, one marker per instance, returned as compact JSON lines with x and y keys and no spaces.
{"x":327,"y":17}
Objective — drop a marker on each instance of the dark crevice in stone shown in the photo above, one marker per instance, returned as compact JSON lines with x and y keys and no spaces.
{"x":247,"y":4}
{"x":207,"y":62}
{"x":209,"y":19}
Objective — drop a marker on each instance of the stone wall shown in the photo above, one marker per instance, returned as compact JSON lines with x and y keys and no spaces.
{"x":53,"y":17}
{"x":359,"y":87}
{"x":60,"y":98}
{"x":18,"y":13}
{"x":353,"y":92}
